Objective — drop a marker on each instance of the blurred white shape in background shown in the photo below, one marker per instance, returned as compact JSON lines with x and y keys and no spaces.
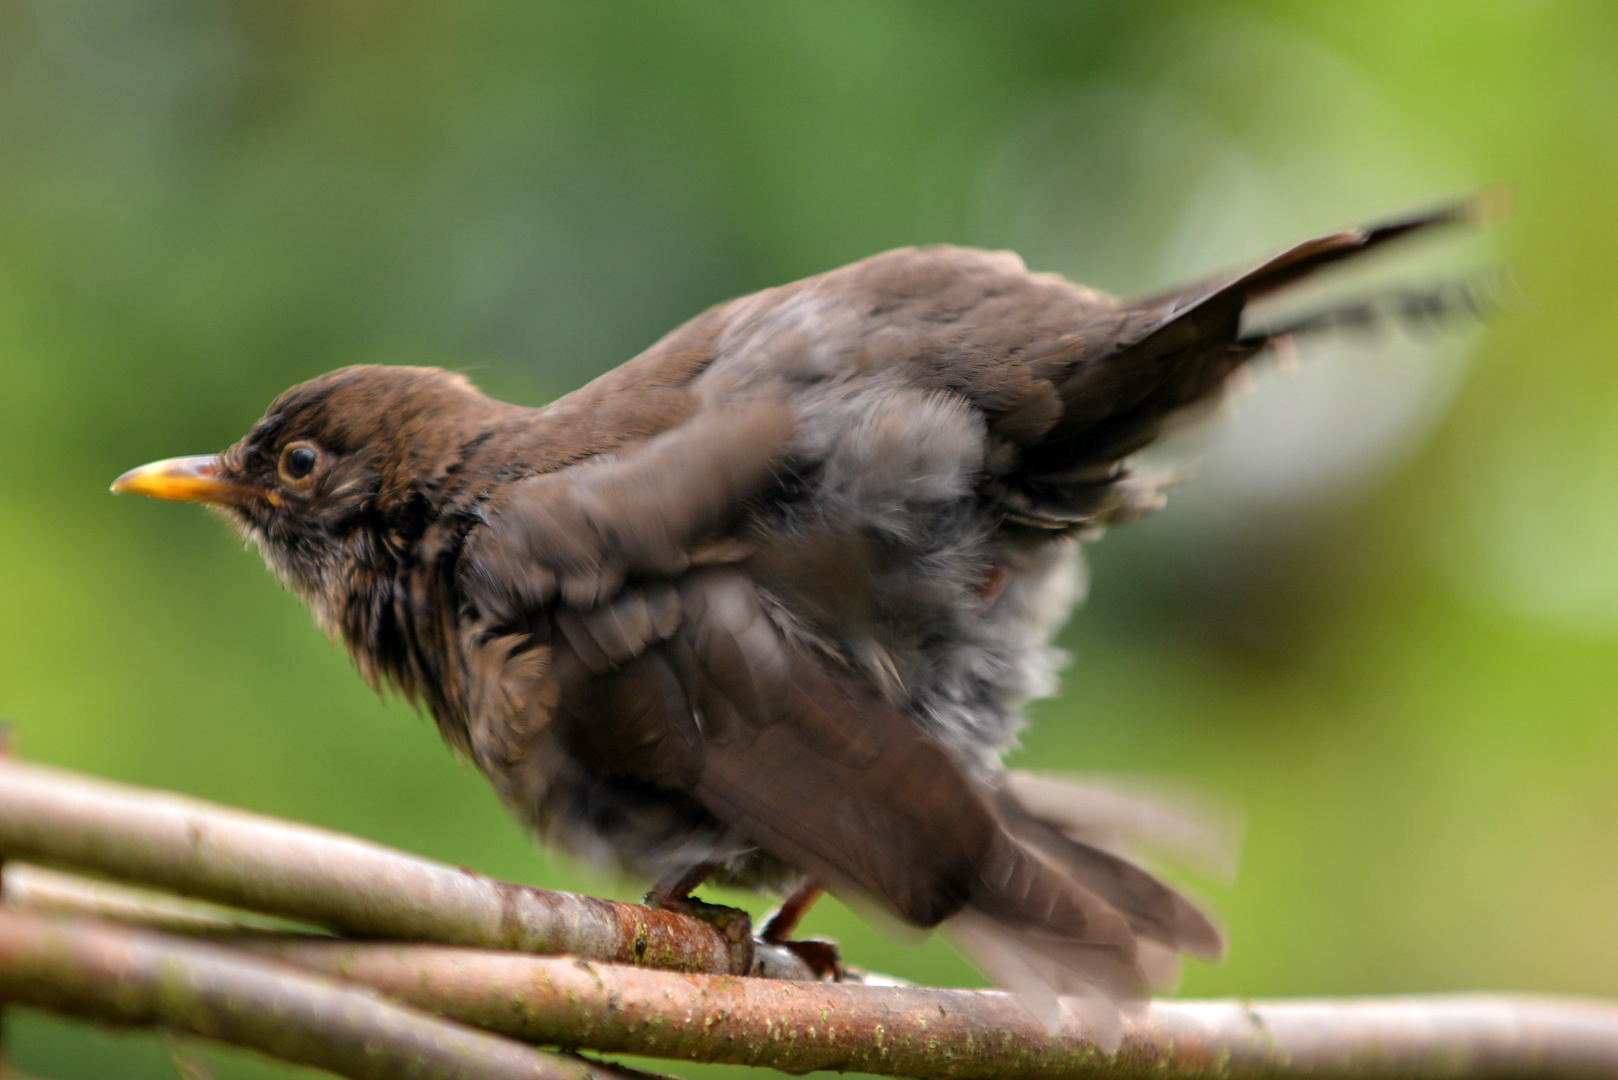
{"x":1263,"y":140}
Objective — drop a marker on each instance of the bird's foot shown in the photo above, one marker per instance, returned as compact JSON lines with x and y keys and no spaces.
{"x":734,"y":924}
{"x":823,"y":957}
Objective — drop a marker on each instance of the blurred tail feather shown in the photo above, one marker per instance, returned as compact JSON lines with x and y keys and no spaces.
{"x":1476,"y":297}
{"x":1140,"y":820}
{"x":1053,"y":915}
{"x":1027,"y":967}
{"x":1152,"y":910}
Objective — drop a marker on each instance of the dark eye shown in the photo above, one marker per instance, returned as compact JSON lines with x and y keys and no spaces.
{"x":299,"y":460}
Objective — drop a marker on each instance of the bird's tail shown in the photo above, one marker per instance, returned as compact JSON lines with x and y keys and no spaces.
{"x":1302,"y":260}
{"x":1175,"y":351}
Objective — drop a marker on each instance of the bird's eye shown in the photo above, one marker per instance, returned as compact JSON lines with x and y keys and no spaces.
{"x":298,"y":460}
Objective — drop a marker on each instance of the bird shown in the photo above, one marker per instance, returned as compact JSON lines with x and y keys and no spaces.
{"x":762,"y":606}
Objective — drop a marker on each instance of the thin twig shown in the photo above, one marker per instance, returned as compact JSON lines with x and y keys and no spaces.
{"x":134,"y":977}
{"x":298,"y":872}
{"x":53,"y":892}
{"x":955,"y":1034}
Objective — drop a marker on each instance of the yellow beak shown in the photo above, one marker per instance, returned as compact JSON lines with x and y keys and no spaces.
{"x":185,"y":479}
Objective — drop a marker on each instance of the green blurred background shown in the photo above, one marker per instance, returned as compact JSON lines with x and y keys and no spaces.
{"x":1383,"y":619}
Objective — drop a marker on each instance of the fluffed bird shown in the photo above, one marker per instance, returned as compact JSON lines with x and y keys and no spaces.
{"x":763,"y":604}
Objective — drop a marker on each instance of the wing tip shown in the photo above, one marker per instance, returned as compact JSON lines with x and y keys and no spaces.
{"x":1485,"y":207}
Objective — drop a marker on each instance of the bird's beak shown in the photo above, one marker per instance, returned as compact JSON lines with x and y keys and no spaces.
{"x":184,"y":479}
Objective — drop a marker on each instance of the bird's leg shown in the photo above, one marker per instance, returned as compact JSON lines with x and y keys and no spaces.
{"x":673,"y":893}
{"x":823,"y":957}
{"x":779,"y":924}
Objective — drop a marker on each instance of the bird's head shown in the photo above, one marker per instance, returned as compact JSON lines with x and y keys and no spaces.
{"x":341,"y":474}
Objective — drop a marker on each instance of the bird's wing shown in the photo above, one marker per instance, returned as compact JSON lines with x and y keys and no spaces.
{"x":692,"y":686}
{"x":652,"y":511}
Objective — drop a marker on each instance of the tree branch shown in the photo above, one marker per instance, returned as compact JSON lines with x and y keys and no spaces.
{"x":141,"y":978}
{"x":338,"y":881}
{"x":955,"y":1034}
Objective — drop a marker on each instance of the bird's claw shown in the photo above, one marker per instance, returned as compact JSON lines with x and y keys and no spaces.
{"x":823,"y":957}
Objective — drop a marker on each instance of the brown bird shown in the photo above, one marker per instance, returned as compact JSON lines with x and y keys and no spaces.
{"x":763,"y":603}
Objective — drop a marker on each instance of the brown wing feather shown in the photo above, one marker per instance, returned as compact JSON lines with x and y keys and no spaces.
{"x":580,"y":532}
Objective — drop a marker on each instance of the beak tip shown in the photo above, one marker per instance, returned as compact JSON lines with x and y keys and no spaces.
{"x":193,"y":479}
